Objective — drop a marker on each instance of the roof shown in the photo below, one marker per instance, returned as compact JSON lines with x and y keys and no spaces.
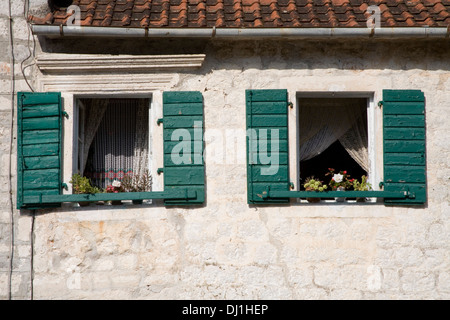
{"x":253,"y":13}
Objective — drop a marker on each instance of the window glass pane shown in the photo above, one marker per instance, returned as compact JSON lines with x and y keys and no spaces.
{"x":333,"y":134}
{"x":120,"y":143}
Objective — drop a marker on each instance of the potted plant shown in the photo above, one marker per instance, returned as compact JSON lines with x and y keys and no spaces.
{"x":339,"y":182}
{"x":361,"y":186}
{"x":137,"y":183}
{"x":312,"y":184}
{"x":82,"y":185}
{"x":115,"y":187}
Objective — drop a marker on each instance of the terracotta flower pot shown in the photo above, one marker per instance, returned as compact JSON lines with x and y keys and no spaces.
{"x":312,"y":200}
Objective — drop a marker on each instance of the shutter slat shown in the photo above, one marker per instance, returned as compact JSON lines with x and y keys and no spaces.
{"x":40,"y":136}
{"x":183,"y":118}
{"x":400,"y":146}
{"x":407,"y":158}
{"x":38,"y":111}
{"x":42,"y":162}
{"x":403,"y":96}
{"x":407,"y":120}
{"x":47,"y":149}
{"x":40,"y":123}
{"x":404,"y":133}
{"x":267,"y":118}
{"x":404,"y":144}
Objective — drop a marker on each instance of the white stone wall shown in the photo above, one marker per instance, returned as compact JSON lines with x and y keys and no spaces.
{"x":15,"y":283}
{"x":227,"y":249}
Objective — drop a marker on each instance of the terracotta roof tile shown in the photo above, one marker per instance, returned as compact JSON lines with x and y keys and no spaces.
{"x":253,"y":13}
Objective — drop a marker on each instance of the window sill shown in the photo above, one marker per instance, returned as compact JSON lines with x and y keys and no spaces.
{"x":180,"y":194}
{"x":337,"y":194}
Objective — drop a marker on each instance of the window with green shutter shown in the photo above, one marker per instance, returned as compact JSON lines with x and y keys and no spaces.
{"x":267,"y":134}
{"x":39,"y":123}
{"x":183,"y":145}
{"x":404,"y":150}
{"x":39,"y":166}
{"x":404,"y":144}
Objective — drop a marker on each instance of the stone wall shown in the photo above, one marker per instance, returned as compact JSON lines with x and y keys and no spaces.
{"x":227,"y":249}
{"x":13,"y":59}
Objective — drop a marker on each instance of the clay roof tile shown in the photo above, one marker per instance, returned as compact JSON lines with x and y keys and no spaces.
{"x":253,"y":13}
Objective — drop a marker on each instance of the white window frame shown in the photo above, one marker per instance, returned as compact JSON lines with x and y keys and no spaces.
{"x":79,"y":112}
{"x":70,"y":133}
{"x":373,"y":129}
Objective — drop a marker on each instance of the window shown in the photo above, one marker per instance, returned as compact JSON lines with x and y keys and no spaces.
{"x":403,"y":144}
{"x":113,"y":139}
{"x":107,"y":152}
{"x":338,"y":140}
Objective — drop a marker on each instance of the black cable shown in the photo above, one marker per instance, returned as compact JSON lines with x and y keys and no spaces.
{"x":31,"y":53}
{"x":11,"y":258}
{"x":33,"y":215}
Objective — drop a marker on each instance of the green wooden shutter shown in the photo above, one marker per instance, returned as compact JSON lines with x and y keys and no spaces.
{"x":404,"y":144}
{"x":38,"y":147}
{"x":183,"y":144}
{"x":266,"y":117}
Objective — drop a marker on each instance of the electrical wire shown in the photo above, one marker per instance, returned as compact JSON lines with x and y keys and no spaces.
{"x":33,"y":216}
{"x":32,"y":53}
{"x":11,"y":256}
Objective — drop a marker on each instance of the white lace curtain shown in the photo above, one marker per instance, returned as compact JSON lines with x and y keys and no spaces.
{"x":116,"y":139}
{"x":323,"y":121}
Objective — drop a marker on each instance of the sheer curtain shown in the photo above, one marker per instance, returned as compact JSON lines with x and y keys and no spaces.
{"x":323,"y":121}
{"x":120,"y":144}
{"x":94,"y":111}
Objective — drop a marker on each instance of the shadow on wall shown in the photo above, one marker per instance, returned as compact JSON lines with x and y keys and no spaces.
{"x":353,"y":54}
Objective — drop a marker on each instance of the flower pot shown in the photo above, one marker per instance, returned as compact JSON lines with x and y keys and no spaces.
{"x":116,"y":202}
{"x":361,"y":199}
{"x":83,"y":203}
{"x":340,"y":199}
{"x":313,"y":200}
{"x":137,"y":201}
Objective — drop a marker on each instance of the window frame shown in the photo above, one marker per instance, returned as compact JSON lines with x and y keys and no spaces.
{"x":374,"y":136}
{"x":78,"y":106}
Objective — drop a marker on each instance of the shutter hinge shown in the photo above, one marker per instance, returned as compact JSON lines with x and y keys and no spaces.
{"x":65,"y":115}
{"x":380,"y":104}
{"x":290,"y":105}
{"x":159,"y":171}
{"x":159,"y":121}
{"x":291,"y":185}
{"x":381,"y":184}
{"x":64,"y":186}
